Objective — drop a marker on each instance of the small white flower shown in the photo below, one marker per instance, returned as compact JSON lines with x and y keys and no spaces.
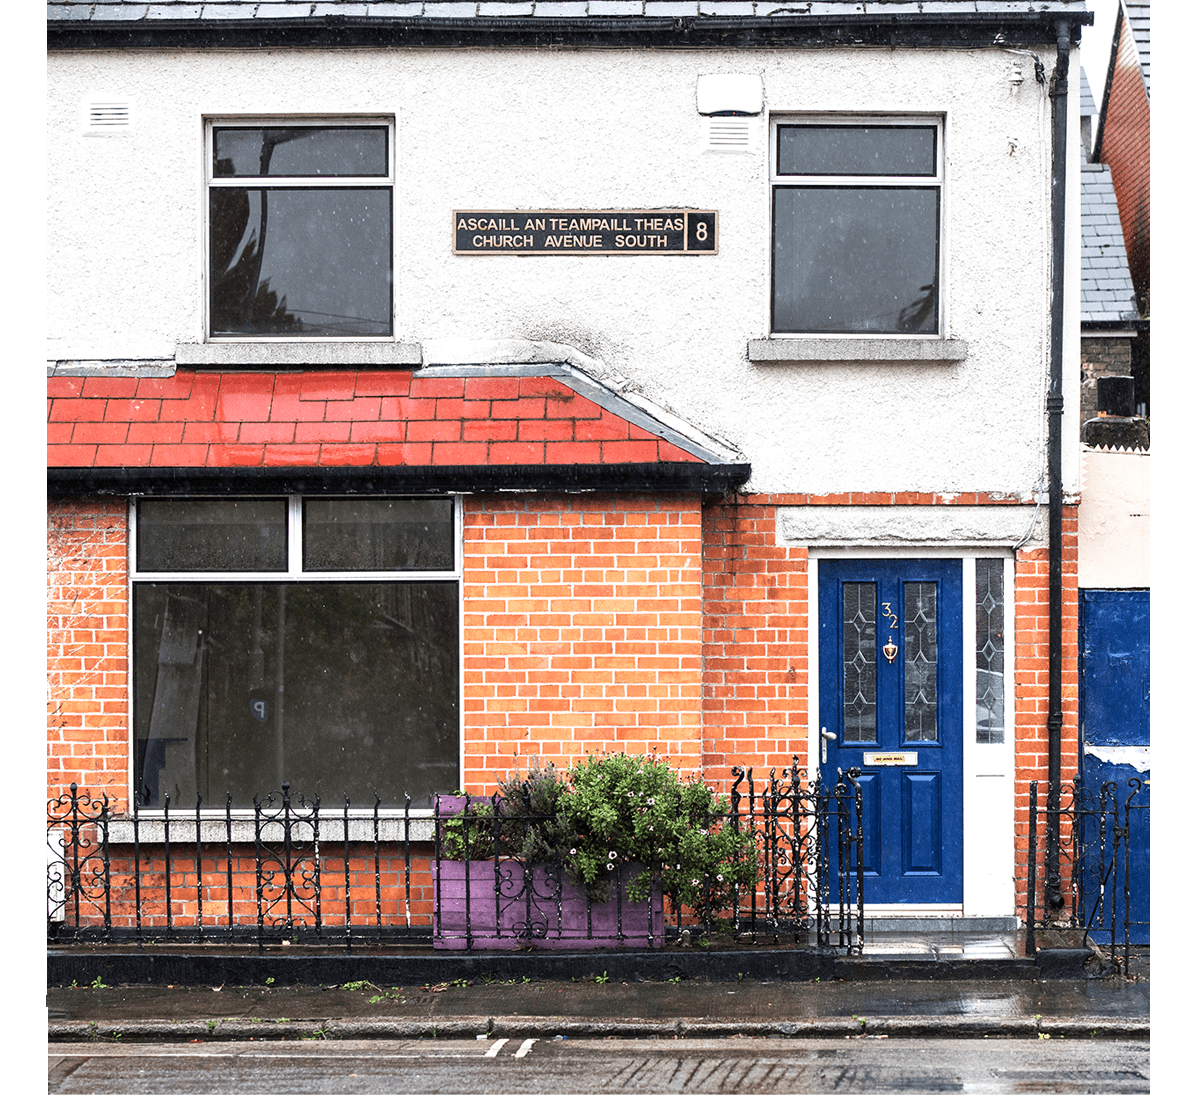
{"x":610,"y":866}
{"x":695,"y":882}
{"x":612,"y":855}
{"x":649,"y":802}
{"x":720,"y":878}
{"x":574,"y":850}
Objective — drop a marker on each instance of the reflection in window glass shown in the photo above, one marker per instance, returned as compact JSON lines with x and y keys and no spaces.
{"x":378,"y":534}
{"x":989,"y":651}
{"x":857,"y":150}
{"x":300,"y":151}
{"x":858,"y":661}
{"x":856,"y":260}
{"x":291,"y":261}
{"x":341,"y":688}
{"x":920,"y":661}
{"x":180,"y":534}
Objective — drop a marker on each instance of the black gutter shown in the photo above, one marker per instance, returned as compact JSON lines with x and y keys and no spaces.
{"x":1054,"y":410}
{"x":681,"y":478}
{"x":1101,"y":325}
{"x":968,"y":30}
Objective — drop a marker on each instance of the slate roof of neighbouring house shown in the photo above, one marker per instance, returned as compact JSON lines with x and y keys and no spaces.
{"x":1087,"y":105}
{"x":1139,"y":22}
{"x":1106,"y":289}
{"x":79,"y":10}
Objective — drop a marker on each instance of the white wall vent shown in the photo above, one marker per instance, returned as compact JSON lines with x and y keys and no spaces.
{"x":107,"y":118}
{"x":728,"y":134}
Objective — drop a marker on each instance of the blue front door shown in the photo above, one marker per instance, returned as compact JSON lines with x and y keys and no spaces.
{"x":891,"y":679}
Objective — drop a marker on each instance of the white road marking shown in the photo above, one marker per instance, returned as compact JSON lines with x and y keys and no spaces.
{"x":495,"y":1047}
{"x":526,"y":1046}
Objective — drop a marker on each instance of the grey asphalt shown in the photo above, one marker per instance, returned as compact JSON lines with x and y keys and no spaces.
{"x":1113,"y":1006}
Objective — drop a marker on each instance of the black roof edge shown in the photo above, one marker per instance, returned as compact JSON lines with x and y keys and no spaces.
{"x":1137,"y":323}
{"x":917,"y":29}
{"x":689,"y":478}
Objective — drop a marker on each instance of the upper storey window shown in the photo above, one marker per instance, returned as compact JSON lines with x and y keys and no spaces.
{"x":300,"y":231}
{"x":856,"y":227}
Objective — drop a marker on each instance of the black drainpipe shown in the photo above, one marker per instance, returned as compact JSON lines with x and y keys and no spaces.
{"x":1054,"y":409}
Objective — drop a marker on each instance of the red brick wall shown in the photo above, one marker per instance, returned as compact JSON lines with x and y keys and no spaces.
{"x":581,"y":630}
{"x":756,"y":667}
{"x":1032,"y":657}
{"x":87,"y":734}
{"x":1126,"y":150}
{"x":588,"y":624}
{"x":755,"y":643}
{"x":211,"y":908}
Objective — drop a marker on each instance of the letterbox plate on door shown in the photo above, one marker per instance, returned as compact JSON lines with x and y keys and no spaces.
{"x":887,"y":760}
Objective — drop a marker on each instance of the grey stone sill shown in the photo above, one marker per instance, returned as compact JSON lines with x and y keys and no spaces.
{"x":212,"y":830}
{"x":298,"y":353}
{"x":154,"y":367}
{"x":795,"y":350}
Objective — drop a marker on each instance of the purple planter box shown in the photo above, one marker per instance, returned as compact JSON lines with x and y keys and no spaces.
{"x":529,"y":915}
{"x":524,"y":910}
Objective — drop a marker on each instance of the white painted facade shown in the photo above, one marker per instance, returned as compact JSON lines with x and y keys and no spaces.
{"x":1114,"y":520}
{"x":509,"y":129}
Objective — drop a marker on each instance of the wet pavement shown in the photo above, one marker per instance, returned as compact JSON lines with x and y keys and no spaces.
{"x":1115,"y":1006}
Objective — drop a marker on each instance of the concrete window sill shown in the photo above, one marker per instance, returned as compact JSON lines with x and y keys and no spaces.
{"x":212,"y":830}
{"x":304,"y":354}
{"x":787,"y":351}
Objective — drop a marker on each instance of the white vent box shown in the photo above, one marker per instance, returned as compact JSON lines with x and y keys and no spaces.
{"x":729,"y":93}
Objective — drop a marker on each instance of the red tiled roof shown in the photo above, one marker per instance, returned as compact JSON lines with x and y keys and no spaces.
{"x":324,"y":419}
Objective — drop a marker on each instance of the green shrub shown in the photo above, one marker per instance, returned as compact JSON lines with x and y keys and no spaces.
{"x":610,"y":810}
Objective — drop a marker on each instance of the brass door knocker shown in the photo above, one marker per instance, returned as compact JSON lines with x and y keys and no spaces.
{"x":890,"y":651}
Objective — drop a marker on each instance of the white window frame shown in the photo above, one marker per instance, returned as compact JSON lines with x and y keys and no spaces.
{"x":775,"y":180}
{"x":294,"y":574}
{"x":315,"y":182}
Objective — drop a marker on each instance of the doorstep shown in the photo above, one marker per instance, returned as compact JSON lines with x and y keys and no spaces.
{"x":943,"y":938}
{"x":941,"y":924}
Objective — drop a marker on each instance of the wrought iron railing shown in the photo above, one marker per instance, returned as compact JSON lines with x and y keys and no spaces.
{"x":297,"y":871}
{"x":1100,"y":885}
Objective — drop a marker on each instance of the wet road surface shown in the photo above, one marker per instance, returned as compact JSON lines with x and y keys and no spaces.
{"x":503,"y":1066}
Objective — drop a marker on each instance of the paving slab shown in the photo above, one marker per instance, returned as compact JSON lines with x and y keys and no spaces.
{"x":1115,"y":1006}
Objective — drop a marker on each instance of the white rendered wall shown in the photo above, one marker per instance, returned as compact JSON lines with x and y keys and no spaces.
{"x":606,"y":129}
{"x":1114,"y":520}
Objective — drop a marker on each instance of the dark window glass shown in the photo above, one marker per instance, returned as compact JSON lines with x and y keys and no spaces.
{"x":300,"y":151}
{"x":301,"y":262}
{"x":858,"y":661}
{"x":378,"y":534}
{"x":989,"y":651}
{"x":857,"y":150}
{"x":856,"y":259}
{"x":176,"y":534}
{"x":340,"y":688}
